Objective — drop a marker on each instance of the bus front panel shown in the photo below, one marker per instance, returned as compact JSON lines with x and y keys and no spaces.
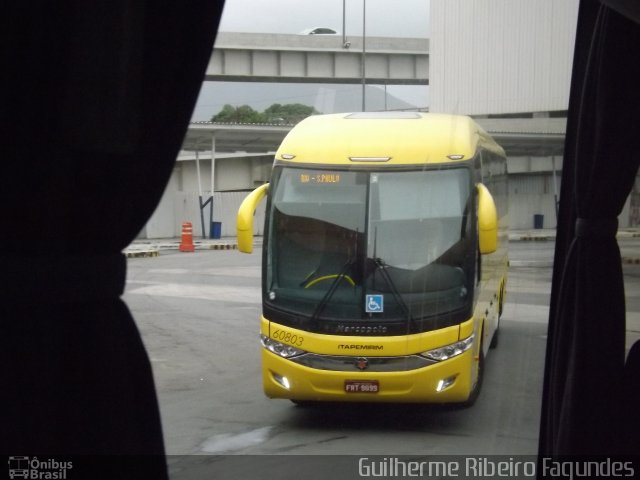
{"x":401,"y":378}
{"x":370,"y":278}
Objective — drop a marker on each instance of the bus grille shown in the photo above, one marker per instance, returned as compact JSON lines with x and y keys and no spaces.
{"x":342,"y":363}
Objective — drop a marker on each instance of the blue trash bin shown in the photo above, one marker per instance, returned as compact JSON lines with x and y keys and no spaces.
{"x":216,"y":229}
{"x":538,"y":221}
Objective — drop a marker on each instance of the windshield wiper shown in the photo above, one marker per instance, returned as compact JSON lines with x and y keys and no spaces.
{"x":382,"y":267}
{"x":332,"y":288}
{"x":336,"y":281}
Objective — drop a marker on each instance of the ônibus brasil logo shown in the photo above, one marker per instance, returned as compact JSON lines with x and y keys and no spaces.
{"x":34,"y":468}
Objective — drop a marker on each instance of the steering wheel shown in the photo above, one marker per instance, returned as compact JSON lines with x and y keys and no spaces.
{"x":311,"y":283}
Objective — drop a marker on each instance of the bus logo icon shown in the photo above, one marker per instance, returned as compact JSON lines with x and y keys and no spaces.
{"x":18,"y":467}
{"x":374,"y":304}
{"x":362,"y":363}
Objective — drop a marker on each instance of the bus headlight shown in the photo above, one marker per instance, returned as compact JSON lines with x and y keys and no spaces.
{"x":449,"y":351}
{"x":285,"y":351}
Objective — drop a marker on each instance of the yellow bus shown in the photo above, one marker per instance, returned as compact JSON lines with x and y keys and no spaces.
{"x":384,"y":258}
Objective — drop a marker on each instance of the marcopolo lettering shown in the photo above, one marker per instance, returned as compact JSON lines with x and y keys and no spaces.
{"x":369,"y":329}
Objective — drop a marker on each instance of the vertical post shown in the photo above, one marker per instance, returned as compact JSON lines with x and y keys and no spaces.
{"x":364,"y":52}
{"x":555,"y":186}
{"x":200,"y":193}
{"x":385,"y":96}
{"x":344,"y":23}
{"x":213,"y":169}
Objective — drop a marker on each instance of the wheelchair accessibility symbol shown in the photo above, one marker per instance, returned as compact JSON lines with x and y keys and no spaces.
{"x":375,"y":304}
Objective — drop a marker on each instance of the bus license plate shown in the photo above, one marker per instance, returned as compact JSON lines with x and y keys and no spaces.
{"x":361,"y":386}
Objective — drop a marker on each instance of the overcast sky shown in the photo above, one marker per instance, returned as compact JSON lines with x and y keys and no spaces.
{"x":384,"y":18}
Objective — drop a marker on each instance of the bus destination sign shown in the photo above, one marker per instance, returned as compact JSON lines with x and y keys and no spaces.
{"x":320,"y":178}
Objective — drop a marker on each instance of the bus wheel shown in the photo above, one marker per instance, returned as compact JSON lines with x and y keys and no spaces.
{"x":475,"y":391}
{"x":496,"y":335}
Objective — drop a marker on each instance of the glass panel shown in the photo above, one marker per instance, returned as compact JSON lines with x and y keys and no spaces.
{"x":316,"y":237}
{"x":417,"y":259}
{"x":421,"y":211}
{"x":420,"y":253}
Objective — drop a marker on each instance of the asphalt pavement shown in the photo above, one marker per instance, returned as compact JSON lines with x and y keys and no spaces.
{"x":537,"y":255}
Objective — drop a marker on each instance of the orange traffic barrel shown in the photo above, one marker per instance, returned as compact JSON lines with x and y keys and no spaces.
{"x":186,"y":241}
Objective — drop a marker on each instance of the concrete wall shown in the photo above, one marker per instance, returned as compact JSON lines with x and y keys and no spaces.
{"x":234,"y":178}
{"x":229,"y":173}
{"x":534,"y":194}
{"x":501,"y":56}
{"x":177,"y":207}
{"x":162,"y":223}
{"x":531,"y":195}
{"x":225,"y":209}
{"x":531,"y":192}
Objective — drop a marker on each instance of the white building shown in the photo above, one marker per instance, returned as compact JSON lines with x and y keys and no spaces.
{"x":509,"y":59}
{"x":501,"y":56}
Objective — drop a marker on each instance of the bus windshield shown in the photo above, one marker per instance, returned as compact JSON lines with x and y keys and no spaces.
{"x":392,"y":248}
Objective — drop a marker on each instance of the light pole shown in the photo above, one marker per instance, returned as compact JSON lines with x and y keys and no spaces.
{"x":364,"y":53}
{"x":346,"y":44}
{"x":344,"y":24}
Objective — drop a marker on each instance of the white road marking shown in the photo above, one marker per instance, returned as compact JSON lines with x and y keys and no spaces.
{"x":174,"y":271}
{"x":226,"y":442}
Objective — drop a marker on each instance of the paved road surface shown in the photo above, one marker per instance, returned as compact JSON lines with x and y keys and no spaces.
{"x":198,"y":314}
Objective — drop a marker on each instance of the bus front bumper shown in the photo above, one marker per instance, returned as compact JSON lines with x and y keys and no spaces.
{"x":448,"y":381}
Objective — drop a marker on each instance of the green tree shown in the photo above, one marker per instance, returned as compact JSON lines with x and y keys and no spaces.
{"x":288,"y":114}
{"x":241,"y":114}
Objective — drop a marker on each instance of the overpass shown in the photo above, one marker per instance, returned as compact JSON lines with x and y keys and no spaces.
{"x":264,"y":57}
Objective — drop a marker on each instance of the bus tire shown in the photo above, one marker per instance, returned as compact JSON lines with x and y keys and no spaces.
{"x":496,"y":335}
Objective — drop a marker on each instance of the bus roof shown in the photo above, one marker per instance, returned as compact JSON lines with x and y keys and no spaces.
{"x":392,"y":138}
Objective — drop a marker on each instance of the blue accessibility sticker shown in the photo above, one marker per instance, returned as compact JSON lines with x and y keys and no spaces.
{"x":374,"y":304}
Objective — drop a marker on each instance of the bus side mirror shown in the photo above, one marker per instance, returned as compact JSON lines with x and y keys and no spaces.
{"x":487,"y":221}
{"x":244,"y":220}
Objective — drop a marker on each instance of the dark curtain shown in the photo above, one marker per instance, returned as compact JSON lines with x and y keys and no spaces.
{"x":96,"y":99}
{"x":583,"y":409}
